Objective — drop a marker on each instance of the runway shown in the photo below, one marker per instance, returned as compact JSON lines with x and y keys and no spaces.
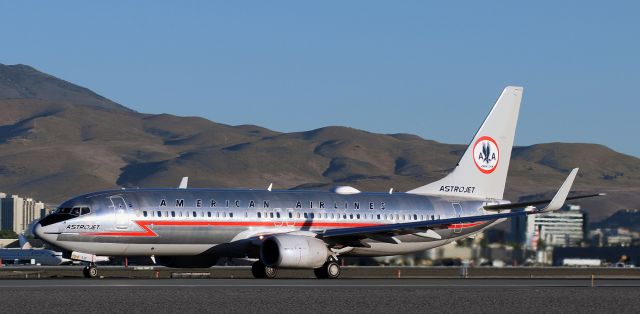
{"x":321,"y":296}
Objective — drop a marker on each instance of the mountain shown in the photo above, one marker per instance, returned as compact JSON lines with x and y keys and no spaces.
{"x":625,"y":218}
{"x":24,"y":82}
{"x":58,"y":140}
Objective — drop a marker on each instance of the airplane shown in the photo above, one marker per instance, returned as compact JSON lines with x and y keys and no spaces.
{"x":26,"y":254}
{"x":194,"y":227}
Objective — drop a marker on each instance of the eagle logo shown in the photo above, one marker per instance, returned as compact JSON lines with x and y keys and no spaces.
{"x":486,"y":154}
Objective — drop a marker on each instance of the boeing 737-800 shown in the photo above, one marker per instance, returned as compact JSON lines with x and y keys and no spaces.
{"x":188,"y":227}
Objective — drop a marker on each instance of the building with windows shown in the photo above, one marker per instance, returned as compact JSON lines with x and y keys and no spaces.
{"x":16,"y":213}
{"x":563,"y":228}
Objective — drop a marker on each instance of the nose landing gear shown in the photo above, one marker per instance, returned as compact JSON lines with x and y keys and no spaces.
{"x":90,"y":271}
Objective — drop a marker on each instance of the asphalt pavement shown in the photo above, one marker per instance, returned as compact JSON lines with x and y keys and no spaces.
{"x":320,"y":296}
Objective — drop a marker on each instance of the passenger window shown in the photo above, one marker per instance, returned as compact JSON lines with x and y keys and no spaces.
{"x":271,"y":214}
{"x":290,"y":215}
{"x":378,"y":216}
{"x":159,"y":213}
{"x":144,"y":213}
{"x":208,"y":214}
{"x":195,"y":214}
{"x":173,"y":213}
{"x":332,"y":217}
{"x":350,"y":216}
{"x":358,"y":216}
{"x":306,"y":216}
{"x":259,"y":215}
{"x":433,"y":217}
{"x":311,"y":215}
{"x":277,"y":215}
{"x":230,"y":215}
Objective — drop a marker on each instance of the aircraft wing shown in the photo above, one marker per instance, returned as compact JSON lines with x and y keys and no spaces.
{"x":525,"y":204}
{"x":415,"y":227}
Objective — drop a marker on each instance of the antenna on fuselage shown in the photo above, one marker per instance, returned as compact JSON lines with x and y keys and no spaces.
{"x":270,"y":187}
{"x":183,"y":183}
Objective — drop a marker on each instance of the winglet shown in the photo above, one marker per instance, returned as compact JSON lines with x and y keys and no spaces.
{"x":183,"y":183}
{"x":558,"y":200}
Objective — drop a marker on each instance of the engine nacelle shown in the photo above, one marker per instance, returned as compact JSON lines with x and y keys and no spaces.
{"x":293,"y":251}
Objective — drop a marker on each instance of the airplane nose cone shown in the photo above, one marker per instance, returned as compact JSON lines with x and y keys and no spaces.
{"x":41,"y":232}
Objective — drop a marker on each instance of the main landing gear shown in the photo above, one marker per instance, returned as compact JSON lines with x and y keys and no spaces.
{"x":330,"y":270}
{"x":260,"y":270}
{"x":90,"y":271}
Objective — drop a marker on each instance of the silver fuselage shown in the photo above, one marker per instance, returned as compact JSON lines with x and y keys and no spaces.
{"x":183,"y":222}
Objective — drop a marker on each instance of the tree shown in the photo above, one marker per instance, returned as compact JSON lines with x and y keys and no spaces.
{"x":8,"y":234}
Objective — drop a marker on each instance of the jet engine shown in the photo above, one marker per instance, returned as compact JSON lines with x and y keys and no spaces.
{"x":293,"y":251}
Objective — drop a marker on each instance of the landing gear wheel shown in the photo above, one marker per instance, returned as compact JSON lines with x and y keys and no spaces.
{"x":259,"y":270}
{"x":270,"y":272}
{"x":90,"y":271}
{"x":330,"y":270}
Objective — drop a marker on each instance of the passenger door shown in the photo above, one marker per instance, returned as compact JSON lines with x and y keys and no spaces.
{"x":121,"y":211}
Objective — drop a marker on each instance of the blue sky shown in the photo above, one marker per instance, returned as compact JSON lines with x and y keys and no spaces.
{"x":428,"y":68}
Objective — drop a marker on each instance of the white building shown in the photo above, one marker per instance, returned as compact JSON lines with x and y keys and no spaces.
{"x":16,"y":213}
{"x":562,"y":228}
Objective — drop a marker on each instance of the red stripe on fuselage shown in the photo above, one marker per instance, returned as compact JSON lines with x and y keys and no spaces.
{"x":147,"y":232}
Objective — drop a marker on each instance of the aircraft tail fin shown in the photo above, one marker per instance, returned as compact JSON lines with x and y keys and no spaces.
{"x":482,"y":170}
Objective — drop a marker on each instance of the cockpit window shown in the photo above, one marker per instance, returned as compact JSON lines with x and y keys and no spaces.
{"x":65,"y":210}
{"x":76,"y":211}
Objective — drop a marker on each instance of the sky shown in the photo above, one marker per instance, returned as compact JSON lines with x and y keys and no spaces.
{"x":430,"y":68}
